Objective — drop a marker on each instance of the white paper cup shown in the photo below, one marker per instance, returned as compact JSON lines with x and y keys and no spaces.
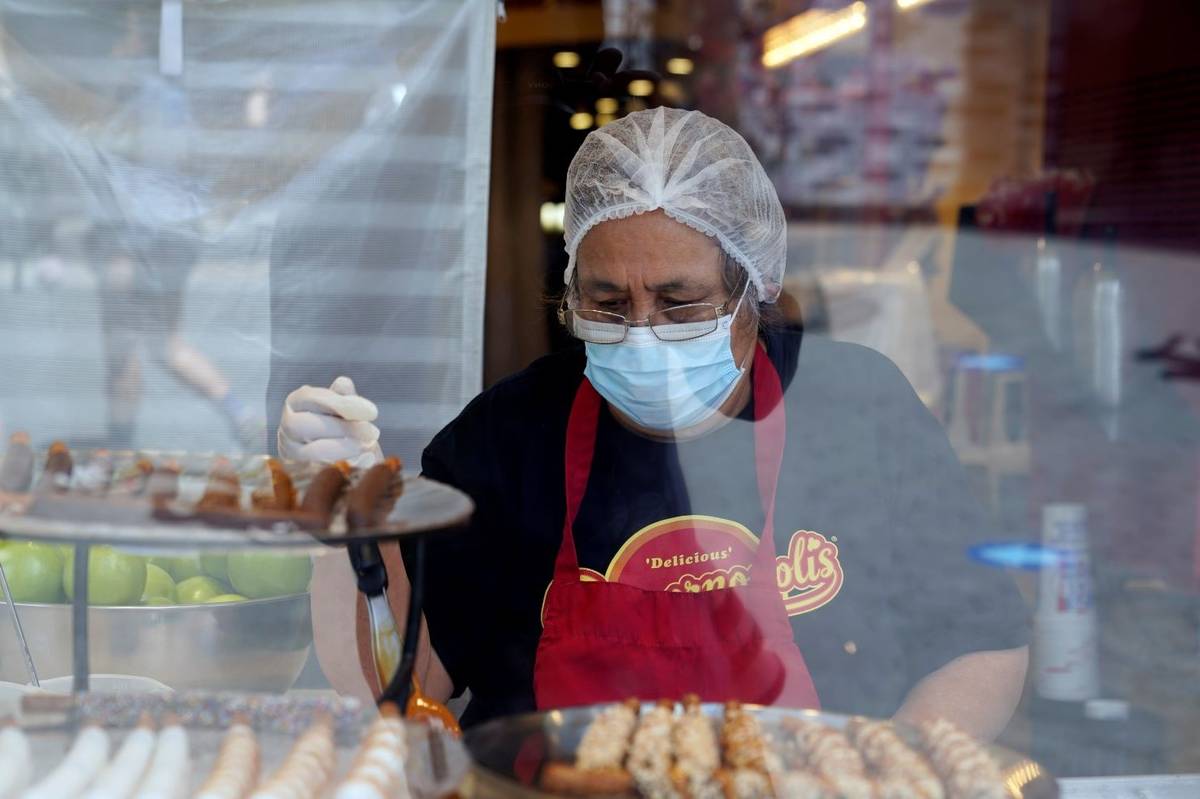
{"x":1065,"y":660}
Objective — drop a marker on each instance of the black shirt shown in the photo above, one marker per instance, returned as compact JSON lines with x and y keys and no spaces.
{"x":873,"y":520}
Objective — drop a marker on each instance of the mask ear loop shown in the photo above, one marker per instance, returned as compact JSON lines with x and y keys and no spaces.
{"x":744,"y":366}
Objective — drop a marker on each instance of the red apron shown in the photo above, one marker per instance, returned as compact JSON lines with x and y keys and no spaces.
{"x":604,"y":642}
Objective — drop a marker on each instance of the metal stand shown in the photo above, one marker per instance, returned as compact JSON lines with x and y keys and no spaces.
{"x":79,"y":620}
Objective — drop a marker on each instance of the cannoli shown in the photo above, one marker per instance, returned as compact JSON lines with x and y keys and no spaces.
{"x":378,"y":768}
{"x":901,"y":771}
{"x":966,"y":769}
{"x":749,"y":762}
{"x":567,"y":779}
{"x":170,"y":769}
{"x":224,"y":490}
{"x":84,"y":760}
{"x":131,"y":480}
{"x":651,"y":752}
{"x":368,"y":501}
{"x":605,"y":742}
{"x":697,"y":753}
{"x":163,"y":483}
{"x":323,"y":492}
{"x":307,"y":769}
{"x":57,"y":474}
{"x":829,"y":755}
{"x":16,"y":472}
{"x":235,"y":771}
{"x":277,"y":493}
{"x":123,"y":773}
{"x":16,"y":761}
{"x":802,"y":785}
{"x":598,"y":769}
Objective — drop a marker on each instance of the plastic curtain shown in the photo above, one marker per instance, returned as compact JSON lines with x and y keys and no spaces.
{"x":205,"y":204}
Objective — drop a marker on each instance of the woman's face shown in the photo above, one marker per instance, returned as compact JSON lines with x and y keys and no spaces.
{"x":644,"y":263}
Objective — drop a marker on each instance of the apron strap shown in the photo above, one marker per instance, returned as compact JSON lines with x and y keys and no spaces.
{"x":770,"y":432}
{"x":770,"y":435}
{"x":581,"y":444}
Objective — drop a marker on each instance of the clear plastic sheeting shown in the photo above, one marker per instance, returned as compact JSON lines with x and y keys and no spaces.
{"x":206,"y":204}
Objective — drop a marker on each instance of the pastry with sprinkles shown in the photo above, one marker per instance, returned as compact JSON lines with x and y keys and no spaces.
{"x":966,"y":769}
{"x":235,"y":772}
{"x":599,"y":767}
{"x":378,"y":768}
{"x":697,"y":753}
{"x":829,"y":755}
{"x":308,"y":768}
{"x":902,"y":772}
{"x":749,"y":761}
{"x":651,"y":753}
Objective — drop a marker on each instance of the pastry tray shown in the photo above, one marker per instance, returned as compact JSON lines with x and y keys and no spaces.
{"x":422,"y":506}
{"x":435,"y":766}
{"x":531,"y":740}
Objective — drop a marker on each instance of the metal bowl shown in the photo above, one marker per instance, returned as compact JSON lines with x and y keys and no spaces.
{"x":257,"y":645}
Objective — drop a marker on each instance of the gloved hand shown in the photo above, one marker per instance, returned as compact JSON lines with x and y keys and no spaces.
{"x":329,"y":424}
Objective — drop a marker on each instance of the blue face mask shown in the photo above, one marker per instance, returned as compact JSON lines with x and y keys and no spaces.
{"x":665,"y":385}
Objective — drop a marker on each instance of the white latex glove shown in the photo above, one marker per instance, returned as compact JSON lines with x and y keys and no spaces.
{"x":329,"y":424}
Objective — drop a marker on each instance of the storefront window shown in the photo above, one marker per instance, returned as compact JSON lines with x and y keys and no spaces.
{"x":890,"y":304}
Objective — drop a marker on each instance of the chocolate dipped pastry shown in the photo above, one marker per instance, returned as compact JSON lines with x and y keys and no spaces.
{"x":323,"y":492}
{"x":277,"y":493}
{"x":131,"y":481}
{"x":224,"y":490}
{"x":163,"y":482}
{"x":16,"y":472}
{"x":59,"y":465}
{"x":371,"y":498}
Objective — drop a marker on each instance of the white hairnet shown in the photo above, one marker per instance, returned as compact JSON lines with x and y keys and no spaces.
{"x":699,"y":171}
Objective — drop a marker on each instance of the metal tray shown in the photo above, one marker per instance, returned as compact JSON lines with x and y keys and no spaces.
{"x":537,"y":738}
{"x":423,"y":506}
{"x":425,"y":781}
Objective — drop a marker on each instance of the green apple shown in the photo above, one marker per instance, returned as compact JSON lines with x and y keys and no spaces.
{"x":199,"y":589}
{"x":159,"y":585}
{"x":34,"y":572}
{"x":226,"y":598}
{"x":114,"y":577}
{"x":215,"y":566}
{"x":263,"y":574}
{"x":180,"y":567}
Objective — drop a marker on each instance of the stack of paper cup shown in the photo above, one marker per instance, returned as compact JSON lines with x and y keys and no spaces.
{"x":1066,"y":664}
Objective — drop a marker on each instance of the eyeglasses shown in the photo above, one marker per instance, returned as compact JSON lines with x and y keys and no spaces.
{"x":678,"y":323}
